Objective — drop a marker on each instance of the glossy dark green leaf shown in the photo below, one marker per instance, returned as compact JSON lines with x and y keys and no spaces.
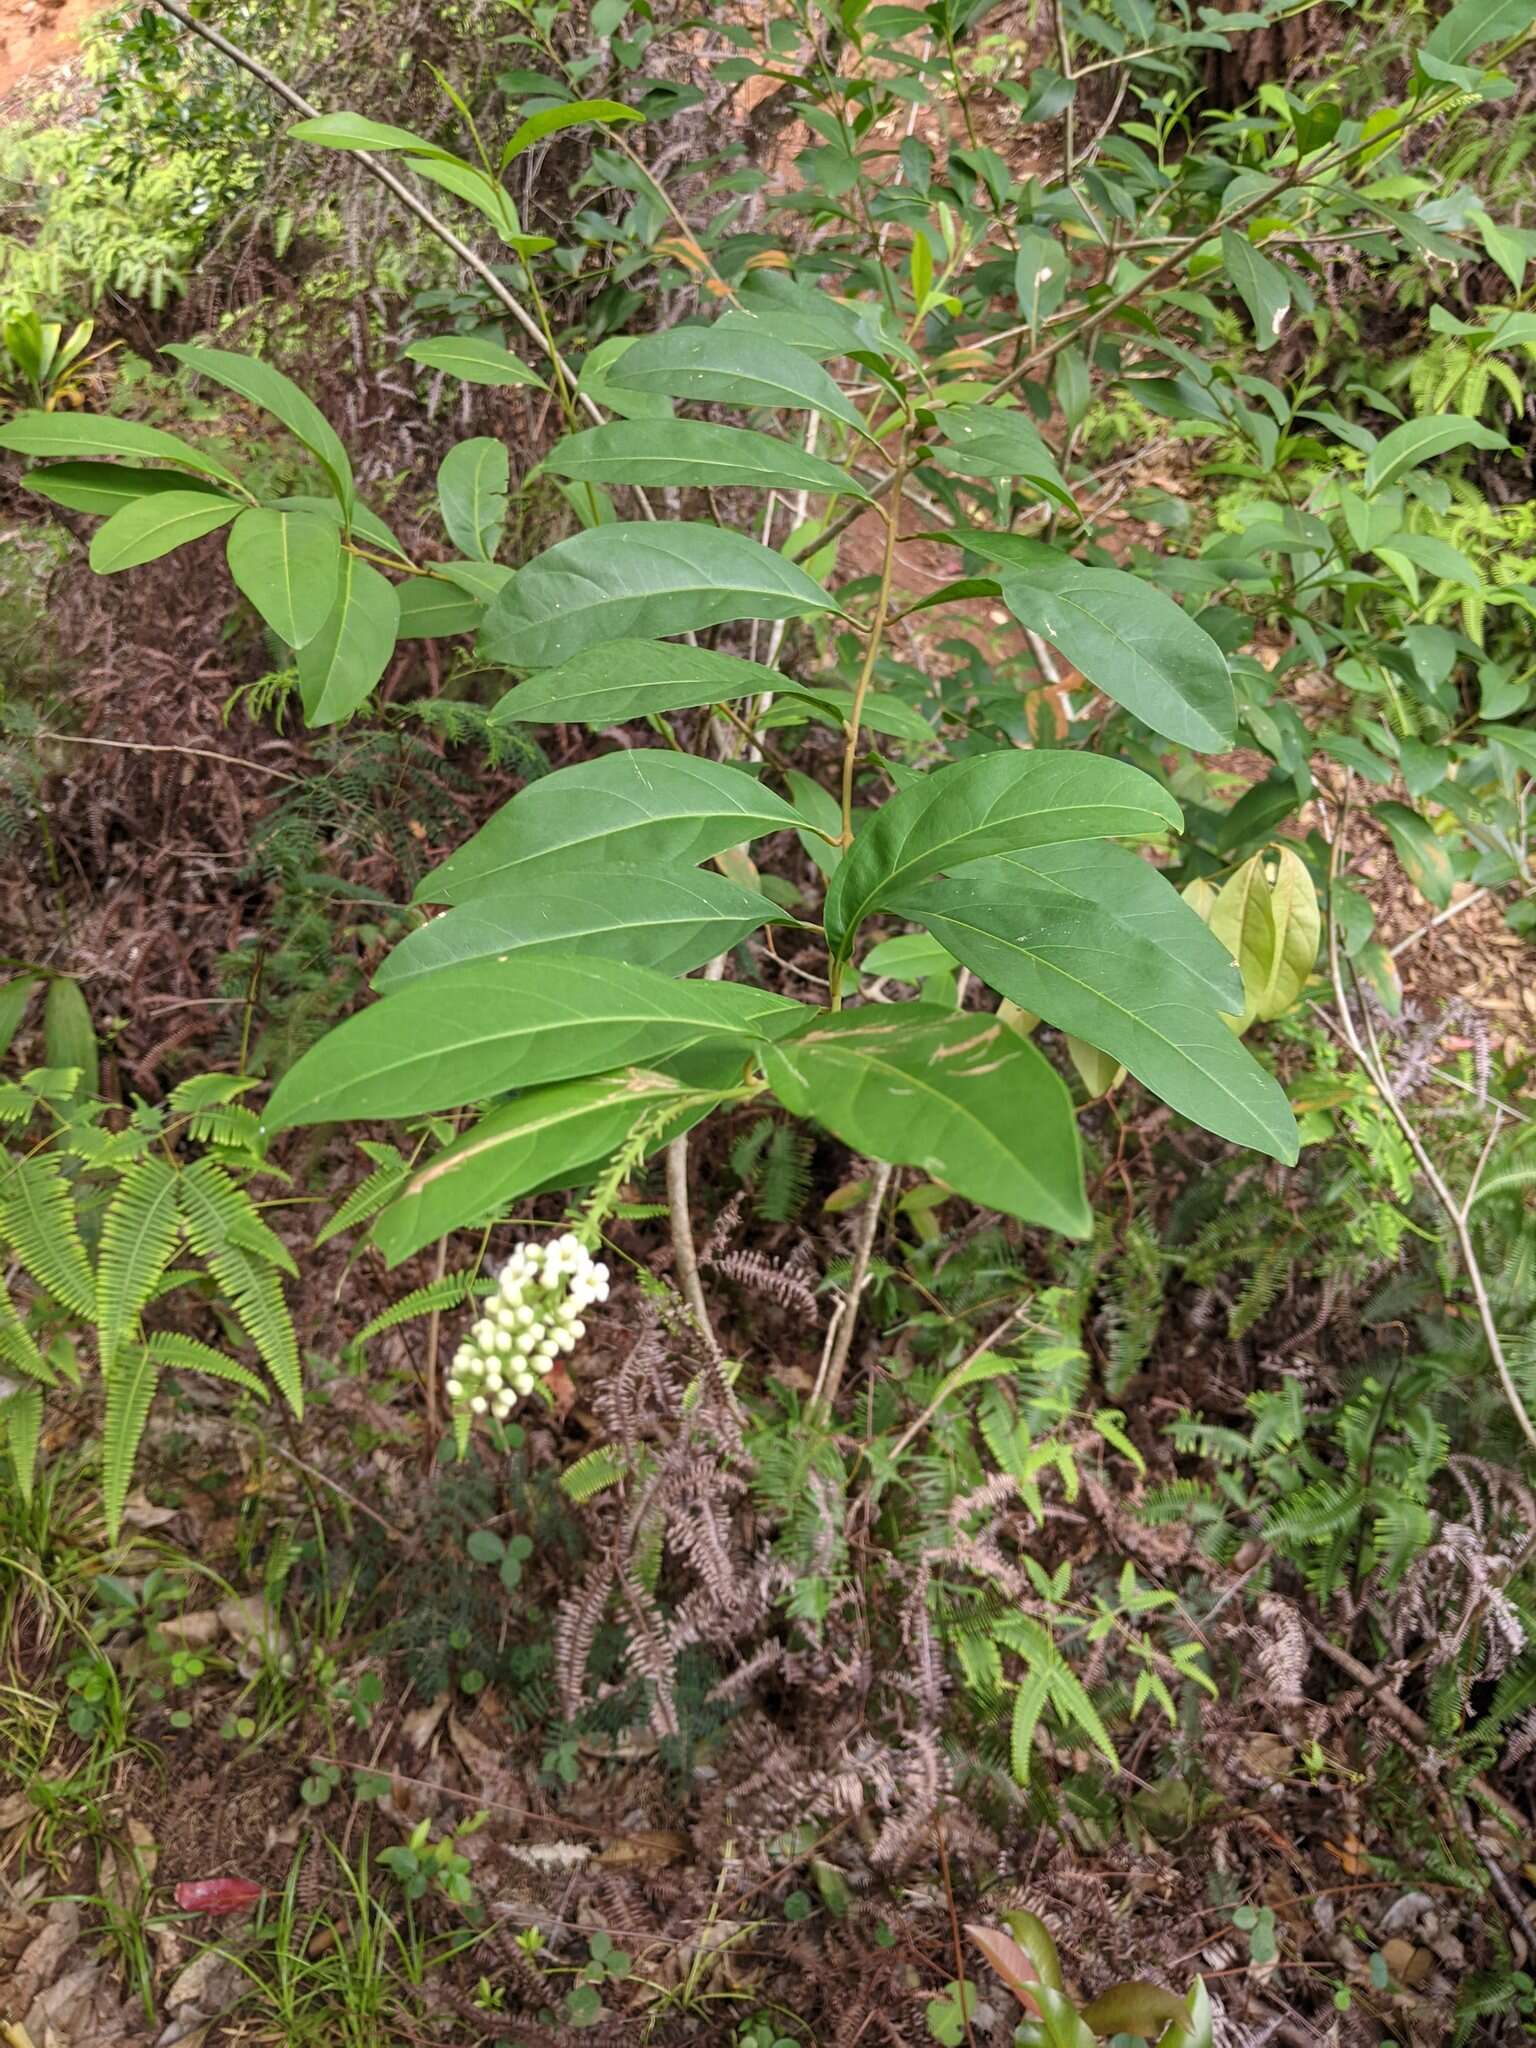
{"x":433,"y":609}
{"x":289,"y":565}
{"x":994,"y":803}
{"x":1261,"y":284}
{"x":542,"y":1137}
{"x":668,"y":918}
{"x":728,"y":366}
{"x":474,"y":359}
{"x":574,"y":114}
{"x":87,"y":436}
{"x":640,"y":581}
{"x":1078,"y":965}
{"x":277,"y":395}
{"x":359,"y":131}
{"x":1135,"y":645}
{"x":963,"y":1097}
{"x":643,"y":806}
{"x":984,"y":441}
{"x":339,"y":668}
{"x":1423,"y":853}
{"x":1418,"y":441}
{"x":106,"y":487}
{"x":148,"y":528}
{"x":474,"y":1031}
{"x":634,"y":679}
{"x":472,"y":482}
{"x":693,"y":454}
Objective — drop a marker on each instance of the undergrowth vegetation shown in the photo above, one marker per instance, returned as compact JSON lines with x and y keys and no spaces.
{"x":767,"y":1101}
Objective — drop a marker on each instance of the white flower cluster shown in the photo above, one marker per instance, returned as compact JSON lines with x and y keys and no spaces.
{"x":533,"y":1316}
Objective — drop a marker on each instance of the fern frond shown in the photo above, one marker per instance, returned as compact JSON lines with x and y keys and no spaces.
{"x":17,"y":1348}
{"x":190,"y":1354}
{"x":370,"y":1194}
{"x":21,"y":1429}
{"x":207,"y":1091}
{"x":593,"y":1474}
{"x":215,"y":1211}
{"x":137,"y":1238}
{"x":37,"y":1219}
{"x":130,"y":1389}
{"x":452,"y":1291}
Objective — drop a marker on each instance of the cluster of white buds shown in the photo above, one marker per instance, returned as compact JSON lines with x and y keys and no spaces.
{"x":534,"y":1315}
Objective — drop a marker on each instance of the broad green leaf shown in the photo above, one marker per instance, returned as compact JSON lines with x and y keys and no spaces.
{"x":477,"y":189}
{"x":340,"y":666}
{"x":1421,"y":440}
{"x":148,"y":528}
{"x":543,"y":1135}
{"x":357,"y":131}
{"x":1272,"y":930}
{"x":69,"y":1036}
{"x":1137,"y":895}
{"x":633,"y":679}
{"x":693,"y":454}
{"x":480,"y":580}
{"x":669,"y":919}
{"x":1135,"y":2008}
{"x":1091,"y":974}
{"x":830,"y":704}
{"x":1040,"y":274}
{"x":961,"y":1096}
{"x":1135,"y":645}
{"x":640,"y":580}
{"x":363,"y":524}
{"x":433,"y":609}
{"x":593,"y":382}
{"x":279,"y":396}
{"x":727,"y":366}
{"x":289,"y":565}
{"x":87,"y":436}
{"x":993,"y":803}
{"x":642,"y":805}
{"x":574,"y":114}
{"x":1423,"y":853}
{"x":15,"y":995}
{"x":474,"y":359}
{"x":471,"y":1032}
{"x":472,"y":482}
{"x":1471,"y":23}
{"x":1263,"y":287}
{"x":107,"y":487}
{"x":1518,"y":742}
{"x":985,"y":441}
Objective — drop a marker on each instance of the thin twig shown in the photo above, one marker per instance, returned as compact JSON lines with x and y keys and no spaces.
{"x":1367,"y":1051}
{"x":684,"y":1252}
{"x":79,"y":739}
{"x":834,"y":1358}
{"x":409,"y":199}
{"x":1434,"y":923}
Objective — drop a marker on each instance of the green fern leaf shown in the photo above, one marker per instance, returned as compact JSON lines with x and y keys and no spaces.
{"x":216,"y":1212}
{"x":21,"y":1429}
{"x":593,"y":1474}
{"x":130,"y":1389}
{"x":140,"y":1233}
{"x":452,"y":1291}
{"x":1028,"y":1705}
{"x":207,"y":1091}
{"x":16,"y":1346}
{"x":169,"y":1347}
{"x":370,"y":1195}
{"x":37,"y":1219}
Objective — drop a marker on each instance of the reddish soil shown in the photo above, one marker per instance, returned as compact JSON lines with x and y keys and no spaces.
{"x":36,"y":36}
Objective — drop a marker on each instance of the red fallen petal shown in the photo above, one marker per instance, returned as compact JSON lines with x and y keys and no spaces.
{"x":217,"y":1895}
